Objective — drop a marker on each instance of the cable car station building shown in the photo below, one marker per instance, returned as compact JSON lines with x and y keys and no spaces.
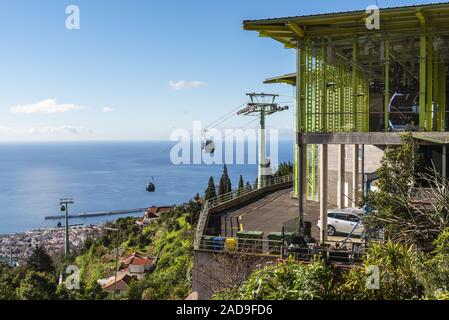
{"x":358,"y":88}
{"x":360,"y":84}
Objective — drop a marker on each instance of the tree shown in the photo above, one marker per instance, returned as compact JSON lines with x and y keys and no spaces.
{"x":225,"y":183}
{"x":40,"y":261}
{"x":94,"y":292}
{"x":196,"y":197}
{"x":8,"y":283}
{"x":284,"y":169}
{"x":210,"y":191}
{"x":248,"y":186}
{"x":241,"y":186}
{"x":256,"y":184}
{"x":412,"y":203}
{"x":37,"y":286}
{"x":241,"y":183}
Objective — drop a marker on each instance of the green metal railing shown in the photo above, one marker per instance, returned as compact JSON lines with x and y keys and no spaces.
{"x":231,"y":196}
{"x":242,"y":245}
{"x":279,"y":249}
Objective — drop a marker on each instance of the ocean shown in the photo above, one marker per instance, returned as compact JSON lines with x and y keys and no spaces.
{"x":99,"y":176}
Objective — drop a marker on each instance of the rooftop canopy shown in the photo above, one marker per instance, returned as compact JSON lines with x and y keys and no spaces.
{"x":289,"y":78}
{"x":343,"y":25}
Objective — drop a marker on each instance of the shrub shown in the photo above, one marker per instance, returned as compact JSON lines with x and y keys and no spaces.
{"x":286,"y":281}
{"x":398,"y":279}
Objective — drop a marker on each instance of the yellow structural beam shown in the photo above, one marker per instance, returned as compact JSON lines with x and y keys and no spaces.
{"x":421,"y":17}
{"x":296,"y":29}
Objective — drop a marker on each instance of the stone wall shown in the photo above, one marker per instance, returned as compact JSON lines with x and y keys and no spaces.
{"x":214,"y":272}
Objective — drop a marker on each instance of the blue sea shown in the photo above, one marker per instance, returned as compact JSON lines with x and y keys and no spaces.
{"x":99,"y":176}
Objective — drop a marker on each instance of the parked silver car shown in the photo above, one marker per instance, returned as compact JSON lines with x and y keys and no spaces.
{"x":344,"y":221}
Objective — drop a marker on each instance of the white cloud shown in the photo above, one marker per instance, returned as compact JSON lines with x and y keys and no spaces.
{"x":182,"y":84}
{"x":44,"y":106}
{"x":108,"y":109}
{"x":58,"y":130}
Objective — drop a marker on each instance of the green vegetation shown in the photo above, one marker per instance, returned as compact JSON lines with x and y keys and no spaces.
{"x":210,"y":191}
{"x":37,"y":280}
{"x":284,"y":169}
{"x":225,"y":182}
{"x":40,"y":261}
{"x":174,"y":245}
{"x":404,"y":274}
{"x":169,"y":239}
{"x":240,"y":183}
{"x":413,"y":261}
{"x":399,"y":274}
{"x":397,"y":208}
{"x":286,"y":281}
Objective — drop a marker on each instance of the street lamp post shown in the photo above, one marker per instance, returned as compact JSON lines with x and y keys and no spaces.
{"x":64,"y":203}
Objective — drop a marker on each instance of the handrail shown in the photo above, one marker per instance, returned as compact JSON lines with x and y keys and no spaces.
{"x":281,"y":249}
{"x":242,"y":245}
{"x":230,"y":196}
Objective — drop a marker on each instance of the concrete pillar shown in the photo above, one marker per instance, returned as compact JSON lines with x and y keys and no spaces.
{"x":302,"y":183}
{"x":323,"y":191}
{"x":444,"y":162}
{"x":262,"y":160}
{"x":362,"y":168}
{"x":341,"y":177}
{"x":355,"y":176}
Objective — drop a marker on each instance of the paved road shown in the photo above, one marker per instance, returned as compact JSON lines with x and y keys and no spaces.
{"x":270,"y":213}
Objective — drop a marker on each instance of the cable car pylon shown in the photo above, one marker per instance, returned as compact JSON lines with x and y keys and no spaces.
{"x":263,"y":105}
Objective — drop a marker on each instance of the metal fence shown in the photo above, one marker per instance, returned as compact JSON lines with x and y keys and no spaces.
{"x":241,"y":245}
{"x":345,"y":255}
{"x":214,"y":202}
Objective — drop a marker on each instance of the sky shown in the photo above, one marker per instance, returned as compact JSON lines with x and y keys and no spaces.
{"x":136,"y":70}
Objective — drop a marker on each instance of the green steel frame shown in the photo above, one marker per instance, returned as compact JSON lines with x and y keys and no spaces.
{"x":334,"y":75}
{"x":336,"y":99}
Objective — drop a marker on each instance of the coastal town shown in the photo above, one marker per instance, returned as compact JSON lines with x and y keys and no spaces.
{"x":18,"y":246}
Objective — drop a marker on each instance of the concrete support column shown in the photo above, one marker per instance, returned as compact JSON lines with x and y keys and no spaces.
{"x":355,"y":176}
{"x":323,"y":191}
{"x":341,"y":177}
{"x":262,"y":160}
{"x":362,"y":169}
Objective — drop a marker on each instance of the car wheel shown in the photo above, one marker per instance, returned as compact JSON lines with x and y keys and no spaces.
{"x":330,"y":230}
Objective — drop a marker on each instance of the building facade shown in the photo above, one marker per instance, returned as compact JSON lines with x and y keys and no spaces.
{"x":361,"y":79}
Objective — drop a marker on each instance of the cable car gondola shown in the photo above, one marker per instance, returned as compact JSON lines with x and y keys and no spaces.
{"x":150,"y":186}
{"x":404,"y":112}
{"x":209,"y":146}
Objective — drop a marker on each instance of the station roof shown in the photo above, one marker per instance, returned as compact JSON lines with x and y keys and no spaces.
{"x":344,"y":25}
{"x":289,"y":78}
